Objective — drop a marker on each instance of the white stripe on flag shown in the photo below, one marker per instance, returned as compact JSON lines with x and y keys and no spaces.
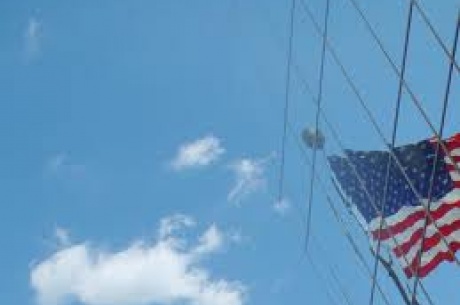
{"x":455,"y":152}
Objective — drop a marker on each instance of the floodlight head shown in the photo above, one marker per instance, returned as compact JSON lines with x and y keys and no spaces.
{"x":313,"y":138}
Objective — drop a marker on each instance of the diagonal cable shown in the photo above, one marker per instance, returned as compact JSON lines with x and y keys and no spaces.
{"x":436,"y":35}
{"x":333,"y":272}
{"x":338,"y":141}
{"x":306,"y":86}
{"x":376,"y":126}
{"x":433,"y":172}
{"x":345,"y":231}
{"x":395,"y":69}
{"x":357,"y":253}
{"x":359,"y":178}
{"x":393,"y":140}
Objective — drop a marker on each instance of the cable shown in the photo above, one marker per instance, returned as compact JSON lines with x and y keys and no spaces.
{"x":306,"y":86}
{"x":376,"y":126}
{"x":425,"y":18}
{"x":337,"y":217}
{"x":323,"y":114}
{"x":320,"y":95}
{"x":393,"y":140}
{"x":332,"y":270}
{"x":286,"y":99}
{"x":329,"y":291}
{"x":371,"y":200}
{"x":320,"y":275}
{"x":414,"y":98}
{"x":337,"y":140}
{"x":350,"y":239}
{"x":433,"y":172}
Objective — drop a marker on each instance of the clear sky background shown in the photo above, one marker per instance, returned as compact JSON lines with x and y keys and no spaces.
{"x":140,"y":148}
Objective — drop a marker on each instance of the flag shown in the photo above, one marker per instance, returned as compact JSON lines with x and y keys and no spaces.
{"x":362,"y":177}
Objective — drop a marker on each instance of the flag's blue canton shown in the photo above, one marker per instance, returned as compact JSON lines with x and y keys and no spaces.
{"x":371,"y":166}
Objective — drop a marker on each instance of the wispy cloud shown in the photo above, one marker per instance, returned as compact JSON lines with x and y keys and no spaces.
{"x":198,"y":153}
{"x":282,"y":206}
{"x":161,"y":272}
{"x":249,"y":177}
{"x":62,"y":237}
{"x":62,"y":164}
{"x":32,"y":38}
{"x":237,"y":237}
{"x":211,"y":241}
{"x":171,"y":224}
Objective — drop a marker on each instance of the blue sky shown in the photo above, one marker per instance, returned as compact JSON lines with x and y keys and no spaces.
{"x":141,"y":147}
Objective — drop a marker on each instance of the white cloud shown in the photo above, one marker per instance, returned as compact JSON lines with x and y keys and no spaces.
{"x":282,"y":206}
{"x":32,"y":37}
{"x":198,"y":153}
{"x":160,"y":272}
{"x":249,"y":177}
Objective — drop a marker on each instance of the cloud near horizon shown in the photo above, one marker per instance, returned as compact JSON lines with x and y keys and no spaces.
{"x":198,"y":153}
{"x":166,"y":271}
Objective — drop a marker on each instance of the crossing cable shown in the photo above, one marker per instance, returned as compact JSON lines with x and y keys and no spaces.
{"x":344,"y":229}
{"x":433,"y":172}
{"x":356,"y":250}
{"x":329,"y":288}
{"x":329,"y":291}
{"x":371,"y":200}
{"x":342,"y":147}
{"x":393,"y":140}
{"x":377,"y":128}
{"x":306,"y":86}
{"x":436,"y":34}
{"x":361,"y":182}
{"x":395,"y":69}
{"x":320,"y":97}
{"x":387,"y":264}
{"x":340,"y":221}
{"x":286,"y":98}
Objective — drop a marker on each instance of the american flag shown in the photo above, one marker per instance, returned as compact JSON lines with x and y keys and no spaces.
{"x":403,"y":210}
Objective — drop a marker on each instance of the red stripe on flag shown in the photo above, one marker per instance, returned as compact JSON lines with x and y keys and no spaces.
{"x":411,"y":219}
{"x":429,"y":242}
{"x":453,"y":142}
{"x":451,"y":167}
